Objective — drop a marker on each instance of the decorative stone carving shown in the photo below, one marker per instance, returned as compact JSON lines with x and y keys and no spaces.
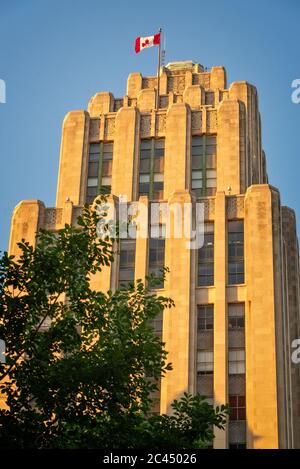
{"x":211,"y":121}
{"x":149,"y":83}
{"x":240,"y":207}
{"x":94,"y":130}
{"x":176,"y":83}
{"x":160,"y":123}
{"x":196,"y":121}
{"x":53,"y":217}
{"x":235,"y":207}
{"x":209,"y":208}
{"x":204,"y":80}
{"x":59,"y":215}
{"x":145,"y":125}
{"x":109,"y":127}
{"x":231,"y":207}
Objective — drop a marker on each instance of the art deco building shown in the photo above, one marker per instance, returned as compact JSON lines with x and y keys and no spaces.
{"x":237,"y":297}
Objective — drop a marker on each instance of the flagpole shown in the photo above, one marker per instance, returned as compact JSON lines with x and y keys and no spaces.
{"x":158,"y":71}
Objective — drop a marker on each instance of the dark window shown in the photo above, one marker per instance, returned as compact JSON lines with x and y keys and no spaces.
{"x":205,"y":317}
{"x":151,"y":170}
{"x":237,"y":406}
{"x":204,"y":167}
{"x":205,"y":354}
{"x":163,"y":101}
{"x":127,"y":261}
{"x":157,"y":324}
{"x":237,"y":376}
{"x":2,"y":351}
{"x":236,"y":362}
{"x":206,"y":257}
{"x":237,"y":429}
{"x":236,"y":316}
{"x":93,"y":170}
{"x":99,"y":169}
{"x":235,"y":252}
{"x":210,"y":98}
{"x":106,"y":168}
{"x":205,"y":362}
{"x":156,"y":258}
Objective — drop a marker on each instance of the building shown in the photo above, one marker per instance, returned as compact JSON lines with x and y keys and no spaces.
{"x":237,"y":298}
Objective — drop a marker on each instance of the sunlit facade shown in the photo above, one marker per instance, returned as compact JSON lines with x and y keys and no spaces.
{"x":237,"y":297}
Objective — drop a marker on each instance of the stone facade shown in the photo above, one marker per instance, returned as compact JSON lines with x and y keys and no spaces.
{"x":195,"y":102}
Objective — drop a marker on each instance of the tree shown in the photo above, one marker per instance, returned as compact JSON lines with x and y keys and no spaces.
{"x":78,"y":360}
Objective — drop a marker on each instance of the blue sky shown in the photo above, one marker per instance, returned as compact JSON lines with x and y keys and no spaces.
{"x":55,"y":54}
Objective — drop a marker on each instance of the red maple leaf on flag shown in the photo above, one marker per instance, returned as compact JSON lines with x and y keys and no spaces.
{"x":143,"y":42}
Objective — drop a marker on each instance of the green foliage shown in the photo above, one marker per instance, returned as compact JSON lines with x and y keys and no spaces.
{"x":190,"y":426}
{"x":81,"y":382}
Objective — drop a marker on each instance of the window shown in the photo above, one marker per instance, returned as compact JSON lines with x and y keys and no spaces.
{"x":237,"y":385}
{"x":237,"y":446}
{"x":235,"y":252}
{"x":236,"y":362}
{"x":236,"y":316}
{"x":151,"y":171}
{"x":204,"y":166}
{"x":163,"y":101}
{"x":210,"y":98}
{"x":156,"y":258}
{"x":93,"y":169}
{"x":237,"y":434}
{"x":236,"y":325}
{"x":106,"y":169}
{"x":237,"y":377}
{"x":205,"y":362}
{"x":2,"y":351}
{"x":206,"y":257}
{"x":209,"y":400}
{"x":157,"y":324}
{"x":205,"y":318}
{"x":237,"y":406}
{"x":127,"y":261}
{"x":99,"y":169}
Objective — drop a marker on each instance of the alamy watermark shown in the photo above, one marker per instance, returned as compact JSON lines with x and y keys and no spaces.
{"x":295,"y":96}
{"x":296,"y":352}
{"x":180,"y":221}
{"x":2,"y":91}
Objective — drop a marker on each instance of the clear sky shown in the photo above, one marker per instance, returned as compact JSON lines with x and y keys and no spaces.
{"x":56,"y":54}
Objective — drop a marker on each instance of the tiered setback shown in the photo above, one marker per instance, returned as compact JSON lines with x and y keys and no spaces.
{"x":196,"y":102}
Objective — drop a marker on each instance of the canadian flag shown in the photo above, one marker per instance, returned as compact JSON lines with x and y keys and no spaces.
{"x":144,"y":42}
